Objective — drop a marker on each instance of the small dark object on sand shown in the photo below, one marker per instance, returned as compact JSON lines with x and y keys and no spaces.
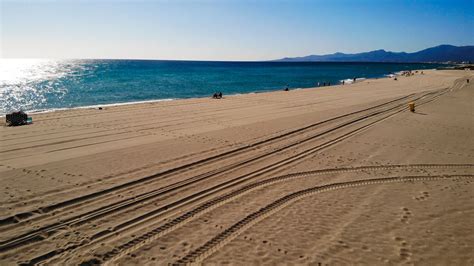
{"x":100,"y":108}
{"x":217,"y":95}
{"x":395,"y":78}
{"x":16,"y":119}
{"x":467,"y":80}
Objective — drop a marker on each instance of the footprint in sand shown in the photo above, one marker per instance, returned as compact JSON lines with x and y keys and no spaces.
{"x":422,"y":196}
{"x":404,"y":251}
{"x":343,"y":244}
{"x":406,"y":214}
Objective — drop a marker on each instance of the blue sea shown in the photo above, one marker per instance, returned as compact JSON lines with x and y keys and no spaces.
{"x":43,"y":85}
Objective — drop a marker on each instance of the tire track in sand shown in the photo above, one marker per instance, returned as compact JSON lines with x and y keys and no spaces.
{"x":181,"y":220}
{"x":230,"y":233}
{"x":398,"y":108}
{"x":46,"y":209}
{"x":428,"y":97}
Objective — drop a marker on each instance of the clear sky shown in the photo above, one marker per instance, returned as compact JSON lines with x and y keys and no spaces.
{"x":227,"y":29}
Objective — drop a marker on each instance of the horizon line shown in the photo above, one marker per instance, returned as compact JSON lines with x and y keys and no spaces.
{"x":266,"y":60}
{"x":222,"y":61}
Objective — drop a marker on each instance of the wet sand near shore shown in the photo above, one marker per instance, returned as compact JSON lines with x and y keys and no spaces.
{"x":340,"y":174}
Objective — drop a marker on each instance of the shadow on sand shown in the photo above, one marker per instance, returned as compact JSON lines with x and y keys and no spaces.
{"x":418,"y":113}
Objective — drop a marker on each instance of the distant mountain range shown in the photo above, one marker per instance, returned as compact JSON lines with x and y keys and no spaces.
{"x":442,"y":53}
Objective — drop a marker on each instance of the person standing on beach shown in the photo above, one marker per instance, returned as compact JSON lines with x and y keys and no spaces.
{"x":343,"y":82}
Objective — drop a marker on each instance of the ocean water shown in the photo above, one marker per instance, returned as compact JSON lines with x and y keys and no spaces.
{"x":42,"y":85}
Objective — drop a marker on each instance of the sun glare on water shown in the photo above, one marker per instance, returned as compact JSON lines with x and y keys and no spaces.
{"x":15,"y":71}
{"x":26,"y":84}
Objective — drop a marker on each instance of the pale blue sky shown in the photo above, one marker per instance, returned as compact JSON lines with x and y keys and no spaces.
{"x":227,"y":29}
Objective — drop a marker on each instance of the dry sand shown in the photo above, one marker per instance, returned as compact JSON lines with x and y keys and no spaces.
{"x":333,"y":175}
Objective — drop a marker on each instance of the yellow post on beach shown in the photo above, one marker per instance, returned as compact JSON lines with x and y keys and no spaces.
{"x":411,"y":106}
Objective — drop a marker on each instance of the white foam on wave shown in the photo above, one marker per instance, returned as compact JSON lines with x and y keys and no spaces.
{"x":350,"y":81}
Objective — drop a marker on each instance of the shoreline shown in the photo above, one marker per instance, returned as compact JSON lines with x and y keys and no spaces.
{"x":348,"y":81}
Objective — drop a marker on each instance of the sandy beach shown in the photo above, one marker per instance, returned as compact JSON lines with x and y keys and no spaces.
{"x":343,"y":174}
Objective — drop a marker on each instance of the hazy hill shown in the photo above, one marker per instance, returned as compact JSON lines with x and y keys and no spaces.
{"x":440,"y":53}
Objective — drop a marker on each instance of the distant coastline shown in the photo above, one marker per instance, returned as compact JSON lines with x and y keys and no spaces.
{"x":439,"y":54}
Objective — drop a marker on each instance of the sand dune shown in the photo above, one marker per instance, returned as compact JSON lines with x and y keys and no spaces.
{"x":338,"y":175}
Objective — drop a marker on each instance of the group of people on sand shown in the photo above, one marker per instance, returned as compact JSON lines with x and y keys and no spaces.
{"x":217,"y":95}
{"x":324,"y":84}
{"x":409,"y":73}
